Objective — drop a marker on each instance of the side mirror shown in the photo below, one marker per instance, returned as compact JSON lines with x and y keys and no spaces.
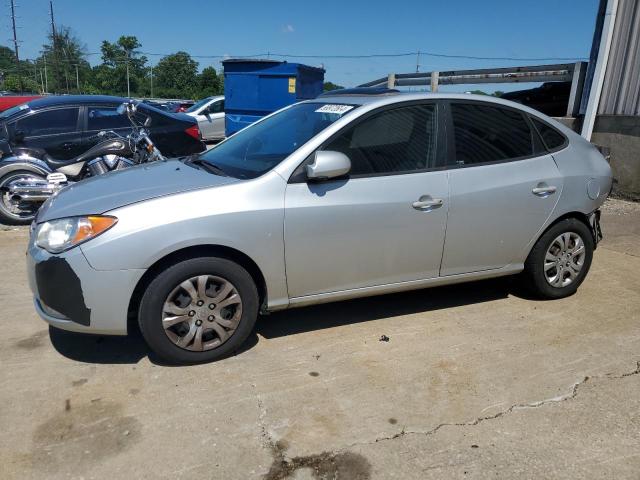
{"x":327,"y":164}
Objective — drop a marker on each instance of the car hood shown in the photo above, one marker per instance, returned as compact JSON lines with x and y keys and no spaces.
{"x":124,"y":187}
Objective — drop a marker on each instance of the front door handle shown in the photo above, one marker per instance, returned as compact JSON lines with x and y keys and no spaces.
{"x":426,"y":203}
{"x":544,"y":191}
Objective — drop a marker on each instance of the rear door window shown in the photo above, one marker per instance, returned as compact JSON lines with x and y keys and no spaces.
{"x":485,"y":133}
{"x":106,"y":118}
{"x":50,"y":122}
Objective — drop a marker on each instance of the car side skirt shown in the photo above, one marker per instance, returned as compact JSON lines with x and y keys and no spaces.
{"x":402,"y":286}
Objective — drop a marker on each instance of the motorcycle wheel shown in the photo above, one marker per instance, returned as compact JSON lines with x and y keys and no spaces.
{"x":11,"y":212}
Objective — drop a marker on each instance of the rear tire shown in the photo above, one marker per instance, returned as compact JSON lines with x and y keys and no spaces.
{"x":560,"y":260}
{"x":198,"y":310}
{"x":9,"y":213}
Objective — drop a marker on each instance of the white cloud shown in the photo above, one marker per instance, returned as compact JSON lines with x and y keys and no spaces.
{"x":288,"y":28}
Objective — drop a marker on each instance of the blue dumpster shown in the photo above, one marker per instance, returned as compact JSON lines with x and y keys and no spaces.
{"x":255,"y":88}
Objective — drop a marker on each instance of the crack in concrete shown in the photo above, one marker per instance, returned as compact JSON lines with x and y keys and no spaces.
{"x":518,"y":406}
{"x":283,"y":466}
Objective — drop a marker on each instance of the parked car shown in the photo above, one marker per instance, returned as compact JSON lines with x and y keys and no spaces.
{"x":550,"y":98}
{"x":181,"y":106}
{"x":328,"y":199}
{"x":66,"y":126}
{"x":9,"y":100}
{"x":209,"y":112}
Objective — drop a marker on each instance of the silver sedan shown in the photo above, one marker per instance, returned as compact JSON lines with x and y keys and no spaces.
{"x":328,"y":199}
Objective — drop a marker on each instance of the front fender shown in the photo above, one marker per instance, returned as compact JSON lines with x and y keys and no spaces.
{"x":29,"y":164}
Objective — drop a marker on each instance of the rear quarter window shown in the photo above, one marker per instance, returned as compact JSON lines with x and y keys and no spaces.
{"x":552,"y":138}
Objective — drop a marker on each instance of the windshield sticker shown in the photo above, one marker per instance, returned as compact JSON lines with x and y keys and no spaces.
{"x":339,"y":109}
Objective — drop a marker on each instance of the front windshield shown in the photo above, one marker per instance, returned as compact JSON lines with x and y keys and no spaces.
{"x":198,"y":104}
{"x":260,"y":147}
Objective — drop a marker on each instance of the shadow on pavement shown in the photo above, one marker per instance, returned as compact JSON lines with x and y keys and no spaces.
{"x":299,"y":320}
{"x":132,"y":348}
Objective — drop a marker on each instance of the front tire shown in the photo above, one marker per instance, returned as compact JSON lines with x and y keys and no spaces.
{"x":198,"y":310}
{"x":11,"y":212}
{"x":560,"y":260}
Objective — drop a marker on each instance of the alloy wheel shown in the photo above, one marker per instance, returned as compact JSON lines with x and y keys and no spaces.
{"x":564,"y":259}
{"x":201,"y":313}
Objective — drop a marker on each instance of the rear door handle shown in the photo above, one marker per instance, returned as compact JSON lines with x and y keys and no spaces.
{"x":544,"y":191}
{"x":426,"y":203}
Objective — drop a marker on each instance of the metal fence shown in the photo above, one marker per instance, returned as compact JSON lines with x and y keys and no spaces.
{"x":621,"y":89}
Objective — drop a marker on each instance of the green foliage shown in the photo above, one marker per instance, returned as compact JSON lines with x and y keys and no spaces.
{"x":328,"y":86}
{"x":209,"y":83}
{"x":117,"y":58}
{"x":68,"y":71}
{"x":12,"y":83}
{"x":64,"y":56}
{"x":175,"y":75}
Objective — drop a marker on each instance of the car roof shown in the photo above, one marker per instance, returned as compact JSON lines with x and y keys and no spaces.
{"x":399,"y":97}
{"x":56,"y":100}
{"x":375,"y":101}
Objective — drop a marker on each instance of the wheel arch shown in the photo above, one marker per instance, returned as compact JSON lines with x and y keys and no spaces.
{"x":194,"y":251}
{"x":575,"y":215}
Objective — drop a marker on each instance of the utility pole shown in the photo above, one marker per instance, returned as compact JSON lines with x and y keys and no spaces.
{"x":15,"y":43}
{"x":418,"y":62}
{"x":42,"y":82}
{"x":128,"y":89}
{"x":46,"y":78}
{"x":77,"y":79}
{"x":55,"y":42}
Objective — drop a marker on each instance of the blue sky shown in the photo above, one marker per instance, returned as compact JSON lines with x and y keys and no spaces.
{"x":489,"y":28}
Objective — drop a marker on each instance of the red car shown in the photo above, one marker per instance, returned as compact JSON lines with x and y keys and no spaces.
{"x":9,"y":101}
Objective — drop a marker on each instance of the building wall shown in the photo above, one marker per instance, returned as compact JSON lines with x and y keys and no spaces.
{"x":621,"y":88}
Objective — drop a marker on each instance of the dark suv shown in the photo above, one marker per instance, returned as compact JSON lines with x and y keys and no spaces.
{"x":66,"y":126}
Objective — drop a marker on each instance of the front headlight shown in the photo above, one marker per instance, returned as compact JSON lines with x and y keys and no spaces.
{"x":59,"y":235}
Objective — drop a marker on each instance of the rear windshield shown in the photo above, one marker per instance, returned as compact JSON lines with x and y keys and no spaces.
{"x":198,"y":104}
{"x":260,"y":147}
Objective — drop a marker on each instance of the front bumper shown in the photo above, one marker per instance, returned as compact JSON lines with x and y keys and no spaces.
{"x":71,"y":295}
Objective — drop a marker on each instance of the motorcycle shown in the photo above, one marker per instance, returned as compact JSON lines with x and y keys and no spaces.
{"x":29,"y":176}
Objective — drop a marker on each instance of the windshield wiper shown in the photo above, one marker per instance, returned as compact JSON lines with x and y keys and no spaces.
{"x":208,"y":166}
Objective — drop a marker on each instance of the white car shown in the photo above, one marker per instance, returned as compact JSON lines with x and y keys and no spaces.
{"x":209,"y":112}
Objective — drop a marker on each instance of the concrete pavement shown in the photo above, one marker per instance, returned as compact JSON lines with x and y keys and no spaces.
{"x":475,"y":380}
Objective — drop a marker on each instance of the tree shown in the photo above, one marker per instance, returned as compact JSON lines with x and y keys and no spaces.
{"x":209,"y":83}
{"x":328,"y":86}
{"x":176,"y":76}
{"x":117,"y":58}
{"x":65,"y":59}
{"x":13,"y":83}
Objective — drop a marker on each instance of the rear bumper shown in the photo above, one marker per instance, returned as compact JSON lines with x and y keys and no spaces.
{"x":71,"y":295}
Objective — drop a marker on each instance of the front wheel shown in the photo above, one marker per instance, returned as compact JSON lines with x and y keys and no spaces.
{"x":198,"y":310}
{"x":13,"y":210}
{"x":560,"y":260}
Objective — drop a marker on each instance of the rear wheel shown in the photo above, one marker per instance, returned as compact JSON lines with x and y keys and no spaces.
{"x":198,"y":310}
{"x":560,"y":260}
{"x":14,"y":211}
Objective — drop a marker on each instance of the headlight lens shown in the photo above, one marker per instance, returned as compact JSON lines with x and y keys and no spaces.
{"x":59,"y":235}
